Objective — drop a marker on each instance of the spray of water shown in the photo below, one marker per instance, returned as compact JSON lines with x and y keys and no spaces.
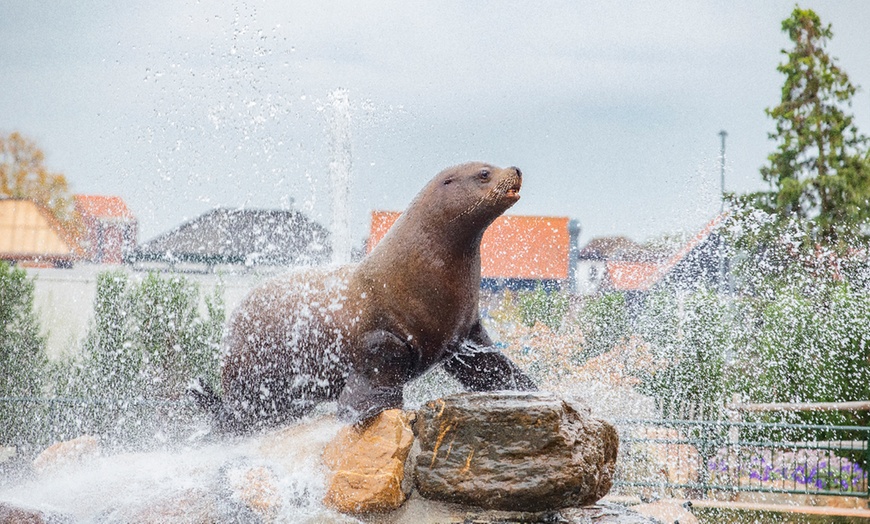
{"x":339,"y":174}
{"x":273,"y":477}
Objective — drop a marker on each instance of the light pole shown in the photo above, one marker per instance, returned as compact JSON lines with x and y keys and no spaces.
{"x":722,"y":276}
{"x":722,"y":134}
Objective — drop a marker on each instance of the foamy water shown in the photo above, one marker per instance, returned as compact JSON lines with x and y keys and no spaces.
{"x":117,"y":487}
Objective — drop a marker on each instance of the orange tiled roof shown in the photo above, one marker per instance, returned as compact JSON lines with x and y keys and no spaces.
{"x":100,"y":206}
{"x":521,"y":247}
{"x":630,"y":276}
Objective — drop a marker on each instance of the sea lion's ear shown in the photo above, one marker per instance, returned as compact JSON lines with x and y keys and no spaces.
{"x":448,"y":181}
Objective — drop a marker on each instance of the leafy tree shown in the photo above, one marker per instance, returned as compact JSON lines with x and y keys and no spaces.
{"x":820,"y":172}
{"x":22,"y":351}
{"x":23,"y":175}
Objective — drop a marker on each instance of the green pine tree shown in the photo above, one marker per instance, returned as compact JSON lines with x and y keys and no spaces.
{"x":22,"y":353}
{"x":820,"y":171}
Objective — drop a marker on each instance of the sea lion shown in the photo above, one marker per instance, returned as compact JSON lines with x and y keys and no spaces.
{"x":358,"y":333}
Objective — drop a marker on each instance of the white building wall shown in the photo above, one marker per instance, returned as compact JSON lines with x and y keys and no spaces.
{"x":64,"y":300}
{"x":589,"y":274}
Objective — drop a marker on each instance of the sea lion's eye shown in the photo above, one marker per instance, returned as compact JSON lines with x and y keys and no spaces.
{"x":449,"y":180}
{"x":483,"y":175}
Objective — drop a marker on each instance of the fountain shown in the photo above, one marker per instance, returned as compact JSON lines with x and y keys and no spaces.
{"x":276,"y":475}
{"x":790,"y":329}
{"x":340,"y":175}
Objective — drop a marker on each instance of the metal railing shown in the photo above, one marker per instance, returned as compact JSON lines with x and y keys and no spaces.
{"x":700,"y":459}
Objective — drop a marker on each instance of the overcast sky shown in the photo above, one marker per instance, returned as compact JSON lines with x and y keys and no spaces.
{"x":612,"y":109}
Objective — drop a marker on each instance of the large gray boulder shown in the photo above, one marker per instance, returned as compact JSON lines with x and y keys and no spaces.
{"x":514,"y":451}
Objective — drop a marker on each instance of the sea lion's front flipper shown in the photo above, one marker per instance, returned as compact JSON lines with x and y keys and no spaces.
{"x":487,"y":369}
{"x":375,"y":382}
{"x":479,"y":366}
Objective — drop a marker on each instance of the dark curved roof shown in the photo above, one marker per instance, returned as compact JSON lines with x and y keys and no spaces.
{"x":242,"y":236}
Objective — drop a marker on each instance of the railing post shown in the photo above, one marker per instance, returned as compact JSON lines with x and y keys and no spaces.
{"x":734,"y":416}
{"x":709,"y":444}
{"x":867,"y":465}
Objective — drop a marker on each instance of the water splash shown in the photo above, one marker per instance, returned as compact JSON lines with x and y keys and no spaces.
{"x":130,"y":486}
{"x":339,"y":174}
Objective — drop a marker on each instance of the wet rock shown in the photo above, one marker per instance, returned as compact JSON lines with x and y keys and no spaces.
{"x":12,"y":514}
{"x":188,"y":506}
{"x":515,"y":451}
{"x":368,"y":464}
{"x":62,"y":454}
{"x":299,"y":445}
{"x":257,"y":488}
{"x":604,"y":513}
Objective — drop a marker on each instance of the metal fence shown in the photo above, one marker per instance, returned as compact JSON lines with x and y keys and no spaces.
{"x":700,"y":459}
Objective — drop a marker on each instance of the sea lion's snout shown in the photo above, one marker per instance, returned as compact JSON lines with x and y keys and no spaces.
{"x":514,"y":190}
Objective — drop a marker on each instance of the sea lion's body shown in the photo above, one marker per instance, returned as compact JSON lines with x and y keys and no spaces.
{"x":359,"y":333}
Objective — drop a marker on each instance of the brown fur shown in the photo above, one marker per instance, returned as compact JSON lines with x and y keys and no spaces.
{"x":359,"y":333}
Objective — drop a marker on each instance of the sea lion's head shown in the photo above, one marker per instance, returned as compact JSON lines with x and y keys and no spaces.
{"x":472,"y":195}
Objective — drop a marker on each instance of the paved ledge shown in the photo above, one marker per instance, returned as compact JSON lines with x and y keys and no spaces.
{"x":782,"y":508}
{"x":849,"y":514}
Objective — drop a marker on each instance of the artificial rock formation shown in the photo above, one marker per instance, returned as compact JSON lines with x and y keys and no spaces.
{"x":516,"y":451}
{"x":418,"y":510}
{"x":368,"y":464}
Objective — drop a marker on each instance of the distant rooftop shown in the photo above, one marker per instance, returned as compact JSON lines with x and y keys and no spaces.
{"x":30,"y":232}
{"x":104,"y":207}
{"x":630,"y":276}
{"x":618,"y":248}
{"x":241,"y":236}
{"x":639,"y":274}
{"x":513,"y":247}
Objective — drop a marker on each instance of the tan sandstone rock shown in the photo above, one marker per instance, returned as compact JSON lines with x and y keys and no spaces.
{"x":368,"y":464}
{"x":61,"y":454}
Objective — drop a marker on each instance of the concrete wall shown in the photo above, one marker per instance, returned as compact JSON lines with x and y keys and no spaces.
{"x":64,"y":299}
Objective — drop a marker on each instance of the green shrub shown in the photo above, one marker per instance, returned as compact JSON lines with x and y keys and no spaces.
{"x":146,"y":342}
{"x":604,"y":322}
{"x":540,"y":305}
{"x":22,"y":353}
{"x":809,"y":348}
{"x":691,"y":334}
{"x":148,"y":339}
